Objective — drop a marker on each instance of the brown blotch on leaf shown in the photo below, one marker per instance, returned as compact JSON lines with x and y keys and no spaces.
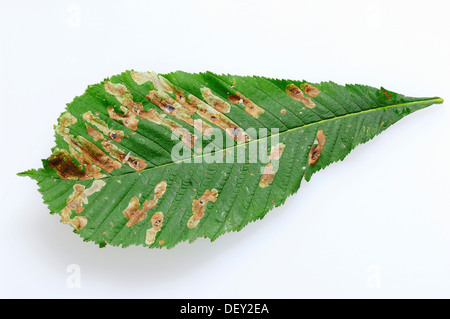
{"x":250,"y":107}
{"x":62,"y":162}
{"x":175,"y":109}
{"x":115,"y":89}
{"x":219,"y":119}
{"x":316,"y":149}
{"x":136,"y":109}
{"x":268,"y":176}
{"x":276,"y":151}
{"x":310,"y":89}
{"x":190,"y":106}
{"x":96,"y":135}
{"x":199,"y":205}
{"x":115,"y":135}
{"x":216,"y":102}
{"x":156,"y":220}
{"x":295,"y":93}
{"x":128,"y":119}
{"x":269,"y":172}
{"x":91,"y":153}
{"x":163,"y":104}
{"x":75,"y":202}
{"x":140,"y":77}
{"x":283,"y":111}
{"x":79,"y":222}
{"x":125,"y":158}
{"x":134,"y":214}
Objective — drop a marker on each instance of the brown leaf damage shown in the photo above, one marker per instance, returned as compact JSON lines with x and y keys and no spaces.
{"x":269,"y":170}
{"x":134,"y":214}
{"x":62,"y":162}
{"x":89,"y":156}
{"x":157,"y":221}
{"x":175,"y":109}
{"x":128,"y":118}
{"x":310,"y":89}
{"x":76,"y":201}
{"x":250,"y":107}
{"x":96,"y":135}
{"x":199,"y":206}
{"x":125,"y":158}
{"x":216,"y":102}
{"x":101,"y":125}
{"x":316,"y":149}
{"x":296,"y":93}
{"x":133,"y":110}
{"x":182,"y":107}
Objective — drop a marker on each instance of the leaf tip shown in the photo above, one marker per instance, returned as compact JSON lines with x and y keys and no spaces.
{"x":29,"y":173}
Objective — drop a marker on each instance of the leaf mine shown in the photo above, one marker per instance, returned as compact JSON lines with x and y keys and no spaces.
{"x":269,"y":172}
{"x":250,"y":107}
{"x":310,"y":89}
{"x":316,"y":149}
{"x":114,"y":135}
{"x":216,"y":102}
{"x":156,"y":220}
{"x":76,"y":201}
{"x":134,"y":214}
{"x":199,"y":206}
{"x":295,"y":93}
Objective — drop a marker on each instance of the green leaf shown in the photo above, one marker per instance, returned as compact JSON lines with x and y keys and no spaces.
{"x":142,"y":159}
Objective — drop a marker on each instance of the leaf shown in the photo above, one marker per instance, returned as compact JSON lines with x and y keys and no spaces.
{"x":142,"y":159}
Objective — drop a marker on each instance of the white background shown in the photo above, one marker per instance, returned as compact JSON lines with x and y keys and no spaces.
{"x":376,"y":225}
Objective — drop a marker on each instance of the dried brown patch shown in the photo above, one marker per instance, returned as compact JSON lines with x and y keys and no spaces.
{"x":141,"y":77}
{"x":79,"y":222}
{"x":268,"y":176}
{"x":182,"y":108}
{"x":96,"y":135}
{"x":216,"y":102}
{"x":276,"y":151}
{"x":316,"y":149}
{"x":157,"y":220}
{"x":125,"y":158}
{"x":175,"y":109}
{"x":134,"y":214}
{"x":310,"y":89}
{"x":129,"y":108}
{"x":62,"y":162}
{"x":136,"y":110}
{"x":250,"y":107}
{"x":219,"y":119}
{"x":165,"y":105}
{"x":66,"y":120}
{"x":295,"y":93}
{"x":128,"y":118}
{"x":90,"y":153}
{"x":199,"y":205}
{"x":115,"y":89}
{"x":76,"y":201}
{"x":114,"y":135}
{"x":269,"y":172}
